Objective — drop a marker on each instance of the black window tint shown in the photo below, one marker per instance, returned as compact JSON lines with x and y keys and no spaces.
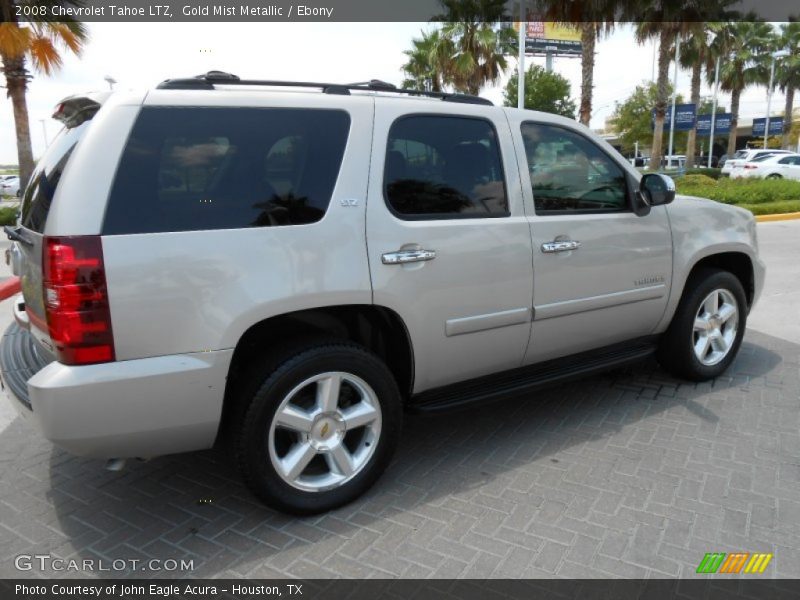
{"x":444,"y":167}
{"x":47,"y":174}
{"x":187,"y":169}
{"x":570,"y":173}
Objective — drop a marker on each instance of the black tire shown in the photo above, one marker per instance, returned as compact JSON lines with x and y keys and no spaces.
{"x":676,"y":352}
{"x":267,"y":392}
{"x":774,"y":176}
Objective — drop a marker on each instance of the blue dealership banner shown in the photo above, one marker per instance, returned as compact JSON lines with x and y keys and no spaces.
{"x":684,"y":117}
{"x":775,"y":126}
{"x":722,"y":124}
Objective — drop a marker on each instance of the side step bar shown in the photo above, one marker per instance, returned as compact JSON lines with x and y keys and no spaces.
{"x":524,"y":379}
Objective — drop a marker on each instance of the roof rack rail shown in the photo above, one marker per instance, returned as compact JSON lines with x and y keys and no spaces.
{"x":209,"y":80}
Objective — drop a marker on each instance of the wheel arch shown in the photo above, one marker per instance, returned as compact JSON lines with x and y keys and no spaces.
{"x":738,"y":263}
{"x":377,"y":328}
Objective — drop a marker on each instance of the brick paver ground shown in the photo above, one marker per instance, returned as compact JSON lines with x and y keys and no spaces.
{"x":631,"y":474}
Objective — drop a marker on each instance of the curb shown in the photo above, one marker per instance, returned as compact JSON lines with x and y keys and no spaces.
{"x":9,"y":287}
{"x":779,"y":217}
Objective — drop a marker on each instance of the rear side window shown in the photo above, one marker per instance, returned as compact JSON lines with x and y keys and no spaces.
{"x":47,"y":174}
{"x":189,"y":169}
{"x":444,"y":167}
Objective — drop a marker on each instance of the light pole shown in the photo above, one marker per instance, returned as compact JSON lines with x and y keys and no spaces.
{"x":44,"y":131}
{"x":674,"y":97}
{"x":110,"y":81}
{"x":521,"y":60}
{"x":713,"y":113}
{"x":775,"y":55}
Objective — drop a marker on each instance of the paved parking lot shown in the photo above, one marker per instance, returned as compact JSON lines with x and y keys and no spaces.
{"x":630,"y":474}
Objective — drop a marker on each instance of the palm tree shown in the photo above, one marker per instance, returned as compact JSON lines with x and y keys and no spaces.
{"x":787,"y":74}
{"x":666,"y":21}
{"x":596,"y":18}
{"x":744,"y":48}
{"x":590,"y":33}
{"x":666,"y":32}
{"x":480,"y":41}
{"x":427,"y":62}
{"x":693,"y":56}
{"x":39,"y":43}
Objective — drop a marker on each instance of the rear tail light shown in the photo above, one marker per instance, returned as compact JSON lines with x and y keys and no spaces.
{"x":750,"y":166}
{"x":76,"y":300}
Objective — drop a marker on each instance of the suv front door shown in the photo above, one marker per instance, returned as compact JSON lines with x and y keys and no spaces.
{"x":601,"y":273}
{"x":448,"y":242}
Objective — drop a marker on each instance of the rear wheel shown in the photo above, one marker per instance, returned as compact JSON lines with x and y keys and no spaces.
{"x":774,"y":176}
{"x":707,"y":329}
{"x":320,"y":429}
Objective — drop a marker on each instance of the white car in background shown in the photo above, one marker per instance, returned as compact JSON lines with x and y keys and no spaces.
{"x":675,"y":161}
{"x":9,"y":186}
{"x":746,"y":155}
{"x":774,"y":166}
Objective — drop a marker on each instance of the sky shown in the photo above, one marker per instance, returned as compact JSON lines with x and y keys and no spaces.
{"x":140,"y":55}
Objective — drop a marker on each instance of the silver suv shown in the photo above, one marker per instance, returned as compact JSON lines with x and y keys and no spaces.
{"x":286,"y":267}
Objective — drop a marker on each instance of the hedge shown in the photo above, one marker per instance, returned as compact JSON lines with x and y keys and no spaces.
{"x":8,"y":215}
{"x":741,"y":192}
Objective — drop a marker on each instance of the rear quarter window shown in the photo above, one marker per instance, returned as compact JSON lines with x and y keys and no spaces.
{"x":188,"y":169}
{"x":46,"y":176}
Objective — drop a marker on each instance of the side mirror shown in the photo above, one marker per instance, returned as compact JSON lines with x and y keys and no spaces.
{"x":657,"y":189}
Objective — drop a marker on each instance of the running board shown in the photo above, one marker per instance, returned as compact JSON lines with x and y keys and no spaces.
{"x":499,"y":385}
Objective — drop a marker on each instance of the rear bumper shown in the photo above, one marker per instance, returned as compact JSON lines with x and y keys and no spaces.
{"x":135,"y":408}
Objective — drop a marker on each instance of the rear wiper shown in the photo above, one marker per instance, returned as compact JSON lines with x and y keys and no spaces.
{"x":14,"y":234}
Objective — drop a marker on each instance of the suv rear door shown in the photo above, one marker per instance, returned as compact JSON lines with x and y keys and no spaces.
{"x":444,"y":195}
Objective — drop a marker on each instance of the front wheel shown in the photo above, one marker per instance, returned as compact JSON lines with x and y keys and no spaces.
{"x":320,"y":429}
{"x":707,"y":329}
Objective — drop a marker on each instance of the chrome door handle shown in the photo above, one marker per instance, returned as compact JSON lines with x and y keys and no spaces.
{"x":407,"y":256}
{"x":560,"y":246}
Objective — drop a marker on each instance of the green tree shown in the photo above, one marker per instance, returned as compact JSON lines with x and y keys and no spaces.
{"x":632,"y":117}
{"x":595,"y":18}
{"x":547,"y":92}
{"x":480,"y":39}
{"x":41,"y":44}
{"x":743,"y":48}
{"x":787,"y":74}
{"x":427,"y":60}
{"x":466,"y":52}
{"x":706,"y":107}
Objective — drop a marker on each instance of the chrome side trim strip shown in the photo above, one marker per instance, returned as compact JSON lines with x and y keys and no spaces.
{"x":569,"y":307}
{"x":515,"y":316}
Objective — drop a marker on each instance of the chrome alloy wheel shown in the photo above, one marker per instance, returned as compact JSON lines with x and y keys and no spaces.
{"x":715,"y":327}
{"x":325,"y":431}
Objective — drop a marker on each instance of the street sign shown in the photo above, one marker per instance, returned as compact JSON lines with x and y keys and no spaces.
{"x":684,"y":117}
{"x":775,"y":126}
{"x":722,"y":124}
